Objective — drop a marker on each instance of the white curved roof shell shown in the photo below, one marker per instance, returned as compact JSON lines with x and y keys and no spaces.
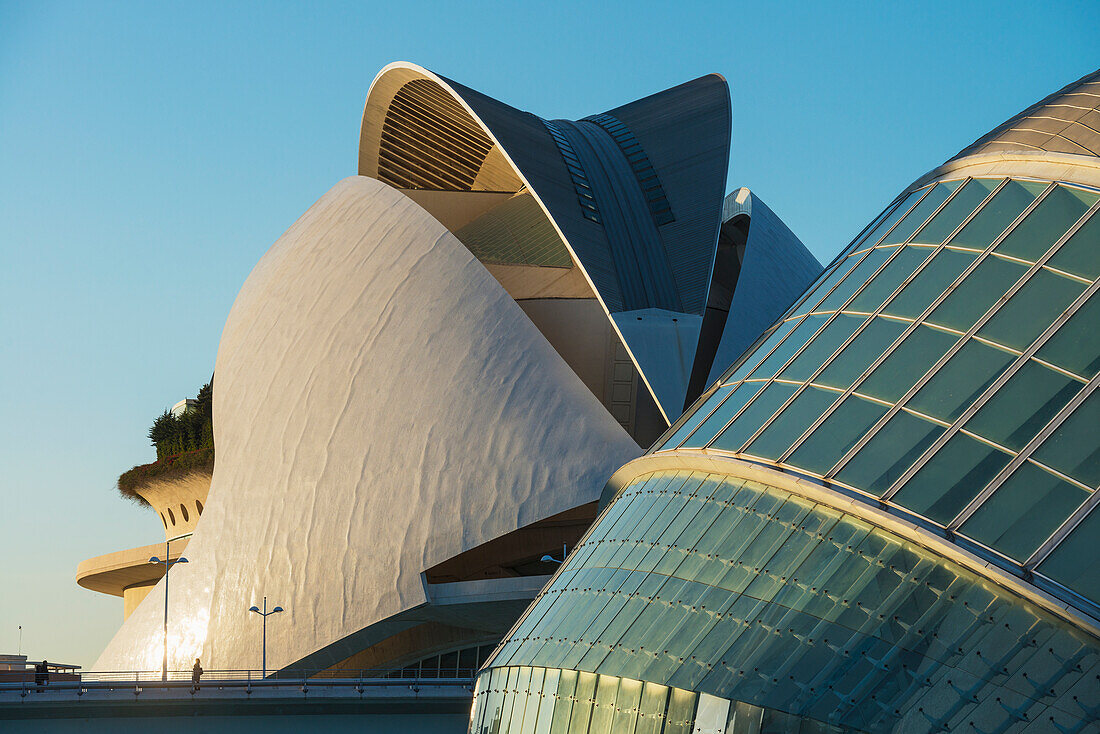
{"x":382,"y":404}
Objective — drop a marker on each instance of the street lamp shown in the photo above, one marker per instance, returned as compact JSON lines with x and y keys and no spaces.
{"x":168,"y":563}
{"x":265,"y":614}
{"x":551,"y":559}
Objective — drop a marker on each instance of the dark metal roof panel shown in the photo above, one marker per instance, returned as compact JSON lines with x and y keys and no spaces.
{"x":685,"y":131}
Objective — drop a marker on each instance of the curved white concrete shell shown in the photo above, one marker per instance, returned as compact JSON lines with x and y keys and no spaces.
{"x":382,"y":405}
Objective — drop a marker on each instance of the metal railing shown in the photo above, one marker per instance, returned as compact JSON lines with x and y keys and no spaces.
{"x":298,"y":682}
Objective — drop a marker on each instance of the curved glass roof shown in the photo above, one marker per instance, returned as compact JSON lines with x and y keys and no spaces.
{"x":945,"y":366}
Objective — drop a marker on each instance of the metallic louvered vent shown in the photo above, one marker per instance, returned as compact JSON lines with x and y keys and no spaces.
{"x":429,"y":141}
{"x":639,"y":162}
{"x":585,"y":196}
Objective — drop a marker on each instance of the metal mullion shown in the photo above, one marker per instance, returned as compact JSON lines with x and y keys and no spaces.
{"x":1051,"y":426}
{"x":844,"y":393}
{"x":802,"y":388}
{"x":845,"y":255}
{"x":790,"y":359}
{"x":872,"y":247}
{"x":749,"y":352}
{"x":705,"y":418}
{"x":920,"y":319}
{"x":851,"y":389}
{"x":1061,"y":475}
{"x":1063,"y":530}
{"x":1019,"y":362}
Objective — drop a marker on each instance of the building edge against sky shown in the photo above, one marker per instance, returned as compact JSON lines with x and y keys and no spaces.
{"x":883,"y":516}
{"x":465,"y":340}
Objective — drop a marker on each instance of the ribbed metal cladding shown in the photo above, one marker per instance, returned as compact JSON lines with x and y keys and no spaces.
{"x":429,"y":141}
{"x":1067,"y":121}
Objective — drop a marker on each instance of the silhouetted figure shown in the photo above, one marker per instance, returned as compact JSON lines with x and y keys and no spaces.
{"x":41,"y":675}
{"x":196,"y":673}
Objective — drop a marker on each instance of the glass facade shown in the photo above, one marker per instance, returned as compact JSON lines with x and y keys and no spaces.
{"x":944,"y":366}
{"x":803,"y":617}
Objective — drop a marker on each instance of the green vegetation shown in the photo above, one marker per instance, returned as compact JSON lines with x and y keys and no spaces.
{"x":184,"y":443}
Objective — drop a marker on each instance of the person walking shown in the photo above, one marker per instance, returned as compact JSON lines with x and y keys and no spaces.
{"x":196,"y":673}
{"x":41,"y":675}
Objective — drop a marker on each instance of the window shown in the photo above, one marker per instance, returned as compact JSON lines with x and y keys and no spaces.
{"x":758,"y":412}
{"x":951,"y":216}
{"x":908,"y":363}
{"x":183,"y":511}
{"x":1047,"y":222}
{"x":1024,"y":511}
{"x":838,"y":433}
{"x":960,"y":380}
{"x":891,"y":451}
{"x":998,"y":213}
{"x":1018,"y":411}
{"x":951,"y":478}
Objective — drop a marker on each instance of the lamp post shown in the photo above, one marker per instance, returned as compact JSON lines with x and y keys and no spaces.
{"x":265,"y":614}
{"x":168,"y":563}
{"x":549,"y":558}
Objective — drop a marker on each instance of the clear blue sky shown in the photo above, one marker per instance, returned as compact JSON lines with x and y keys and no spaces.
{"x":151,"y":152}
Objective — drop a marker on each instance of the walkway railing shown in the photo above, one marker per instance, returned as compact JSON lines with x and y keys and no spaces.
{"x":243,"y":682}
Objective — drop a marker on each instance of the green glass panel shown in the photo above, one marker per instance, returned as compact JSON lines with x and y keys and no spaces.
{"x":758,"y":412}
{"x":1024,"y":511}
{"x":681,"y":712}
{"x":1076,"y":346}
{"x":838,"y":433}
{"x":951,"y":478}
{"x":859,"y":275}
{"x":1049,"y":220}
{"x":1073,"y":563}
{"x":547,"y":704}
{"x":720,"y":417}
{"x":626,"y":705}
{"x":823,"y":346}
{"x":1019,"y":410}
{"x":790,"y":345}
{"x":1080,"y":254}
{"x":1073,"y":449}
{"x":997,"y":214}
{"x":1032,"y":309}
{"x":907,"y":363}
{"x":567,"y":686}
{"x":883,"y":226}
{"x":582,"y":705}
{"x":822,"y":290}
{"x":891,"y":451}
{"x":603,"y":713}
{"x":921,"y":212}
{"x":887,"y":281}
{"x":790,"y":424}
{"x":963,"y":378}
{"x":651,"y":717}
{"x":697,"y":417}
{"x":980,"y":290}
{"x":754,"y":356}
{"x":868,"y":346}
{"x":929,"y":283}
{"x":951,"y":216}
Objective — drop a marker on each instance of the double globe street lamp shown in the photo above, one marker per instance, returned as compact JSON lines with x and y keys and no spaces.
{"x":168,"y":563}
{"x":265,"y":614}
